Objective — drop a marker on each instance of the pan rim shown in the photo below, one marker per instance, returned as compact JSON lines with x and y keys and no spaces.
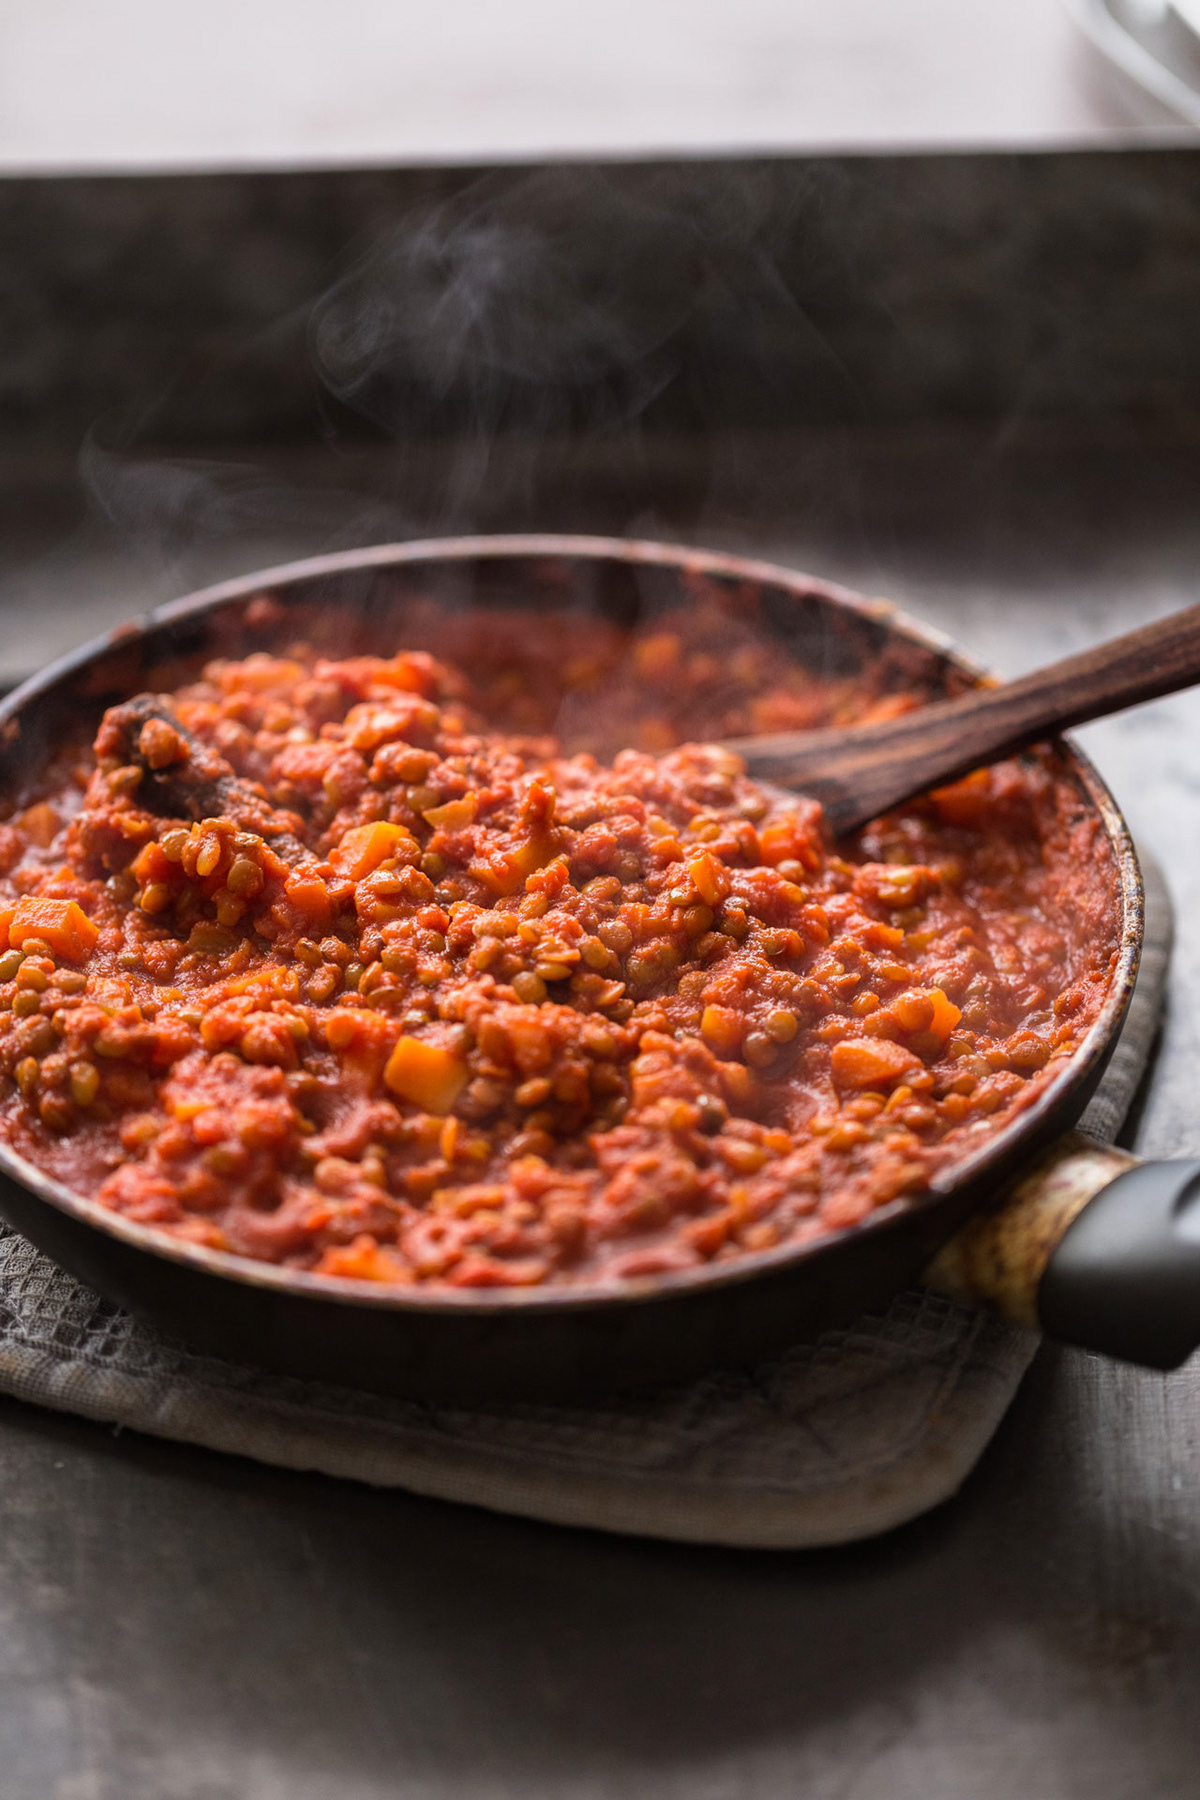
{"x":224,"y":1265}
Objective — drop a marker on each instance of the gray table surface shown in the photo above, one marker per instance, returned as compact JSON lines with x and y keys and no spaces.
{"x":175,"y":1625}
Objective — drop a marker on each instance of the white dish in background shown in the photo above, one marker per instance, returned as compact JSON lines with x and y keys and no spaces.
{"x":1156,"y":42}
{"x":268,"y":84}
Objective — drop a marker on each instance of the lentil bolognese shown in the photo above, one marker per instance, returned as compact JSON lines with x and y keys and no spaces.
{"x":353,"y":966}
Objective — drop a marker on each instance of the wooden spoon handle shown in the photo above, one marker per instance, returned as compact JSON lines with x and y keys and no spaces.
{"x":861,"y":772}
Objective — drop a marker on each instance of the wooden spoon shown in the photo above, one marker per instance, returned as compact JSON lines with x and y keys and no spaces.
{"x":861,"y":772}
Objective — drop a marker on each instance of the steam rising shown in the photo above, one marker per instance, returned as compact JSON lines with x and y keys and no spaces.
{"x":486,"y":348}
{"x":163,"y":504}
{"x":556,"y":301}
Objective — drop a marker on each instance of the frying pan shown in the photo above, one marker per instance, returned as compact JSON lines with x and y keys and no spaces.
{"x":534,"y":1343}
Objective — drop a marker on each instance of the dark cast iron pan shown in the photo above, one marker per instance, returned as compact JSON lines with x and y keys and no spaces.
{"x":487,"y":1345}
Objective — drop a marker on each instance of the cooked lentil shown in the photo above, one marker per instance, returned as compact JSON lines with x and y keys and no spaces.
{"x":422,"y":998}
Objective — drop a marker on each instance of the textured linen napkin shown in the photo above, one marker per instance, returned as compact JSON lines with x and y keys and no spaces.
{"x":833,"y":1441}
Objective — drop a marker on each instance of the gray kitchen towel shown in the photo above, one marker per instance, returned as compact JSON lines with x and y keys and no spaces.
{"x":833,"y":1441}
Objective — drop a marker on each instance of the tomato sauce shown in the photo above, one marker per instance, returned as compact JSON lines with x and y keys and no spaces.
{"x":353,"y":967}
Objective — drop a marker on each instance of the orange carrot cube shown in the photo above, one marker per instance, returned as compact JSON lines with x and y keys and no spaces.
{"x":364,"y":848}
{"x":454,"y":815}
{"x":425,"y":1074}
{"x":365,"y":1259}
{"x":880,"y":937}
{"x":871,"y":1063}
{"x":965,"y":802}
{"x":710,"y":878}
{"x":60,"y":923}
{"x":785,"y":840}
{"x":945,"y":1014}
{"x":150,"y":864}
{"x":309,"y":896}
{"x":913,"y":1011}
{"x":505,"y":871}
{"x":412,"y":672}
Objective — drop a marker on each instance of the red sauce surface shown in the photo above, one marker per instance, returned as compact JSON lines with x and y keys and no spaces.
{"x":427,"y":999}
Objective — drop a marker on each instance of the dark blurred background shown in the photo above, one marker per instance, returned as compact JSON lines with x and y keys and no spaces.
{"x":198,"y":371}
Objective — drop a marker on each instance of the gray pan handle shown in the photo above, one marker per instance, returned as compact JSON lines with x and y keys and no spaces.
{"x":1125,"y":1277}
{"x":1094,"y":1248}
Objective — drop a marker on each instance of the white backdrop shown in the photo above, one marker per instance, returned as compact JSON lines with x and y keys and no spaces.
{"x":243,"y":83}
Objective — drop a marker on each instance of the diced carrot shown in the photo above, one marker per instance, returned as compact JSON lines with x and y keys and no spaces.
{"x":426,"y":1074}
{"x":507,"y":870}
{"x":785,"y":840}
{"x":722,"y":1030}
{"x":945,"y":1014}
{"x":454,"y":815}
{"x":448,"y":1140}
{"x":364,"y":848}
{"x":533,"y":854}
{"x":871,"y":1062}
{"x":341,"y":1028}
{"x":412,"y":672}
{"x":68,"y":931}
{"x":888,"y":706}
{"x":549,"y":879}
{"x":912,"y":1011}
{"x":260,"y":673}
{"x":775,"y":842}
{"x":151,"y":865}
{"x":709,"y":878}
{"x":964,"y":802}
{"x":362,"y":1040}
{"x":364,"y":1260}
{"x":310,"y":897}
{"x":6,"y":919}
